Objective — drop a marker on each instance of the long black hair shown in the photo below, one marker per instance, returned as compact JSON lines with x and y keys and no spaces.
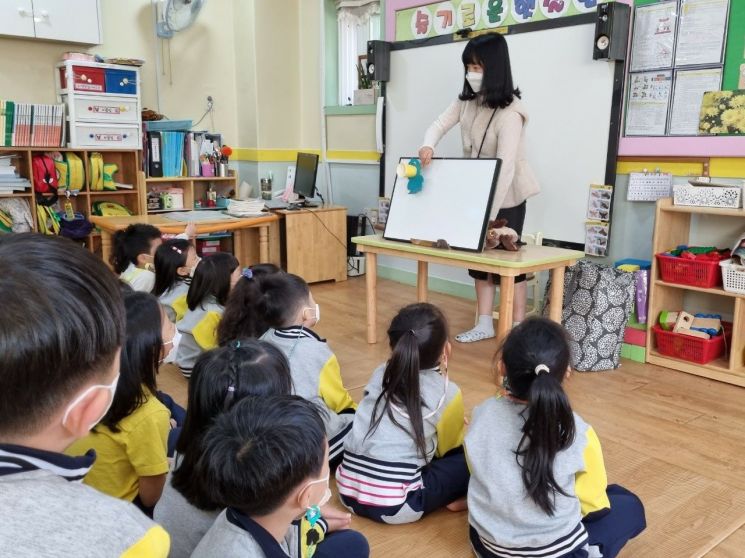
{"x":536,"y":358}
{"x":140,"y":357}
{"x":130,"y":243}
{"x":282,"y":296}
{"x":169,"y":257}
{"x":220,"y":379}
{"x":211,"y":278}
{"x":491,"y":53}
{"x":241,"y":320}
{"x":417,"y":337}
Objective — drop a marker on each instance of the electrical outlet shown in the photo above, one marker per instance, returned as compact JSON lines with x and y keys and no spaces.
{"x":371,"y":214}
{"x":210,"y":102}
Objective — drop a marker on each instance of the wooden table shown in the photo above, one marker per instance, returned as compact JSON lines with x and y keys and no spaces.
{"x":508,"y":265}
{"x":240,"y":227}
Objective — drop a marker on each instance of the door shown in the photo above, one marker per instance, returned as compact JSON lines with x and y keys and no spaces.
{"x":74,"y":21}
{"x":17,"y":18}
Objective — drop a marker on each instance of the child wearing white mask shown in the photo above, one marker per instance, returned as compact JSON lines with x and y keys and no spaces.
{"x":287,"y":306}
{"x":284,"y":476}
{"x":58,"y":372}
{"x":175,"y":262}
{"x":131,"y":441}
{"x":404,"y":457}
{"x":492,"y":121}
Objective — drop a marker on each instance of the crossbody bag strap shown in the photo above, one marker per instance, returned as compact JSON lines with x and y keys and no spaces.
{"x":478,"y":156}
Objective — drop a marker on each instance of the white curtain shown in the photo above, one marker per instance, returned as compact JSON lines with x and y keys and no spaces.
{"x":357,"y":20}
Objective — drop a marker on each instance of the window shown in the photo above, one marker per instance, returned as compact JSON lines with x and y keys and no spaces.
{"x":359,"y":22}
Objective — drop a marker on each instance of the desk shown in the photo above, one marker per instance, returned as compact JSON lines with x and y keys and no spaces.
{"x":508,"y":265}
{"x":242,"y":230}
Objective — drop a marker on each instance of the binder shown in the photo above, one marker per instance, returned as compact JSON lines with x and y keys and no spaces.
{"x":155,"y":153}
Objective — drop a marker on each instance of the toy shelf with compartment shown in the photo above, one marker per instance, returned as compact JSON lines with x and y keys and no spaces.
{"x":191,"y":189}
{"x":84,"y":200}
{"x":673,"y":228}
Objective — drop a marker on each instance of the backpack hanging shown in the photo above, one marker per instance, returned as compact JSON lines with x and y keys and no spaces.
{"x":95,"y":161}
{"x":45,"y":179}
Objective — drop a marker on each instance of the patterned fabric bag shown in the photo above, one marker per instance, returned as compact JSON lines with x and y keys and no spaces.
{"x":598,"y":301}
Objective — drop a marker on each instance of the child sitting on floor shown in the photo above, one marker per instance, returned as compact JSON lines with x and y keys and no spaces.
{"x":134,"y":251}
{"x":286,"y":304}
{"x":132,"y":439}
{"x":175,"y":262}
{"x":266,"y":462}
{"x":241,"y":319}
{"x":404,"y":457}
{"x":538,"y":483}
{"x":58,"y":373}
{"x":221,"y":378}
{"x":213,"y":280}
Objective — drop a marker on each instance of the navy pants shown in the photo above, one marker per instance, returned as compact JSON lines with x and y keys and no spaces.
{"x":346,"y":543}
{"x":609,"y":531}
{"x":178,"y":414}
{"x":445,"y":480}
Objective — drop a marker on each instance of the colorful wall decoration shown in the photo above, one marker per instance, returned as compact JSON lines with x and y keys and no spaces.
{"x":444,"y":18}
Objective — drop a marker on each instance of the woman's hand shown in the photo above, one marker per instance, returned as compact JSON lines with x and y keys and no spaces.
{"x":336,"y":520}
{"x":425,"y":155}
{"x":191,"y":231}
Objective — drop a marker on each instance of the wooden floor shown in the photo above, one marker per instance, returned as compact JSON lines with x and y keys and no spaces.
{"x":676,"y":440}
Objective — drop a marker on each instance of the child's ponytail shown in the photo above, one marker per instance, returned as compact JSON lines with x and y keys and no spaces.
{"x":536,"y":359}
{"x":417,"y":337}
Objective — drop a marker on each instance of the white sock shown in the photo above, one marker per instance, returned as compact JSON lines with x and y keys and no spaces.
{"x":485,"y":324}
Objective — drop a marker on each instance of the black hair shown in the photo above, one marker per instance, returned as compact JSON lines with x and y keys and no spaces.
{"x":140,"y":357}
{"x":282,"y":296}
{"x":241,"y":320}
{"x":222,"y":377}
{"x":130,"y":243}
{"x":259,"y":452}
{"x":491,"y":53}
{"x":417,"y":337}
{"x":549,"y":421}
{"x":169,"y":257}
{"x":211,"y":278}
{"x":62,"y":326}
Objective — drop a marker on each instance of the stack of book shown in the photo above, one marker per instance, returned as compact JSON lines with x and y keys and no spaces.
{"x":10,"y":181}
{"x":31,"y":125}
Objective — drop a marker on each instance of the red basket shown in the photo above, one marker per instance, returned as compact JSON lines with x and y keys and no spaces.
{"x":689,"y":272}
{"x":693,"y":349}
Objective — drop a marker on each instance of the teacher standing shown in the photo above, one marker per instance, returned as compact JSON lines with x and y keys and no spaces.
{"x":492,"y":120}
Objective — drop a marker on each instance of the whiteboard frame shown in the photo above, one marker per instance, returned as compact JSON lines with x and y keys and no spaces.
{"x":487,"y":207}
{"x":616,"y":116}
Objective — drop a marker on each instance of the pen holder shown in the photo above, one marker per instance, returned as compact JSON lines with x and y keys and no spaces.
{"x":266,"y":188}
{"x":208,"y":169}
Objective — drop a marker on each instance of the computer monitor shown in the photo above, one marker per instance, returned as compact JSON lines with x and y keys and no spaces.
{"x":305,"y":175}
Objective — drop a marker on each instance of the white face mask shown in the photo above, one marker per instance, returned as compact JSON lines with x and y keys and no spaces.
{"x":404,"y":414}
{"x":317,"y":313}
{"x":474,"y":79}
{"x":112,"y":391}
{"x":171,"y":356}
{"x":194,"y":267}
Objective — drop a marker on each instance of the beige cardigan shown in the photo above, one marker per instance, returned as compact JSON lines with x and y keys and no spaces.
{"x":505,"y":140}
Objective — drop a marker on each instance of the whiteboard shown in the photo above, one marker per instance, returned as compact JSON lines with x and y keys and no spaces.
{"x":568,"y":96}
{"x":453,"y":205}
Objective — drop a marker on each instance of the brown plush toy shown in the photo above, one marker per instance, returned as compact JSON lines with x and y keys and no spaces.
{"x":498,"y":234}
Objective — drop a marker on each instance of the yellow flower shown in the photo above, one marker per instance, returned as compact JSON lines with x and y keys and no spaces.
{"x":711,"y":112}
{"x":717,"y":130}
{"x":722,"y":106}
{"x":738,"y":101}
{"x":726,"y":94}
{"x":731,"y":117}
{"x":705,"y":125}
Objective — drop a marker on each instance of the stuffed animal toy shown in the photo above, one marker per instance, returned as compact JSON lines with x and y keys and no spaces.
{"x":413,"y":171}
{"x":498,"y":234}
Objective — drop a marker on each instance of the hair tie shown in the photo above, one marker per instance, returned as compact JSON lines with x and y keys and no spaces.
{"x":247,"y":273}
{"x":541,"y":368}
{"x":231,"y":388}
{"x":236,"y":344}
{"x":178,"y":250}
{"x":412,"y":332}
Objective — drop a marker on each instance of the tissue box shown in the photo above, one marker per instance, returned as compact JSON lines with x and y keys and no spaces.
{"x":708,"y":196}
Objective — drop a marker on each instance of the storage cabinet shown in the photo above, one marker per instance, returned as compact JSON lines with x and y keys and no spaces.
{"x":69,"y":21}
{"x":672,"y":228}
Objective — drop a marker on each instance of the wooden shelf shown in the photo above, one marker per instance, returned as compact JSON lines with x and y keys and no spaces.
{"x":16,"y":195}
{"x":668,"y":206}
{"x":114,"y":193}
{"x":719,"y":291}
{"x":715,"y":370}
{"x":191,"y":179}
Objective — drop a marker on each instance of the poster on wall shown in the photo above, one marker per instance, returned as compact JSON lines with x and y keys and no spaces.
{"x":703,"y":25}
{"x":688,"y":94}
{"x":648,"y":101}
{"x":444,"y":18}
{"x":653,"y":40}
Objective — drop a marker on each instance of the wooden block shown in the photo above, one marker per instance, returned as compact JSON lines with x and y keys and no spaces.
{"x":683,"y":323}
{"x":694,"y":333}
{"x":707,"y":323}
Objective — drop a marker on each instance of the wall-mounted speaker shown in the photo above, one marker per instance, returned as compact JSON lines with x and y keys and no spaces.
{"x":379,"y":60}
{"x":611,"y":31}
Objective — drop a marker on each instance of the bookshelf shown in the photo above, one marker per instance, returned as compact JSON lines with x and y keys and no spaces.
{"x":194,"y":189}
{"x":82,"y":202}
{"x":672,"y":228}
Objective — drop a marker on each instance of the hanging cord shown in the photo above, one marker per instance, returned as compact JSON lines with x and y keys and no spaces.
{"x":478,"y":156}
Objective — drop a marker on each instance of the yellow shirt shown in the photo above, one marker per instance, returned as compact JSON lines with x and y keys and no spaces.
{"x":137,"y":450}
